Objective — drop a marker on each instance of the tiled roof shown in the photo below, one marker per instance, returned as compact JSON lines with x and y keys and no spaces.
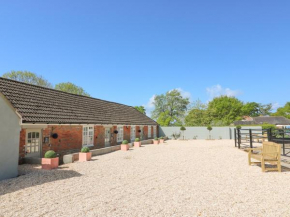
{"x":43,"y":105}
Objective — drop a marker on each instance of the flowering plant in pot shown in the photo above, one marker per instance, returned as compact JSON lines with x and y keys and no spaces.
{"x":85,"y":154}
{"x":161,"y":139}
{"x":156,"y":141}
{"x":50,"y":160}
{"x":137,"y":142}
{"x":124,"y":145}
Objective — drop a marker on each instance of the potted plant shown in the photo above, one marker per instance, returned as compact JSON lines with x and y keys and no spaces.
{"x":137,"y":143}
{"x":50,"y":160}
{"x":156,"y":141}
{"x":209,"y":128}
{"x":161,"y":139}
{"x":124,"y":146}
{"x":85,"y":154}
{"x":182,"y":129}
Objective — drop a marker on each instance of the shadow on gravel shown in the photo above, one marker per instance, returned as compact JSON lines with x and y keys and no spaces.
{"x":284,"y":169}
{"x":33,"y":176}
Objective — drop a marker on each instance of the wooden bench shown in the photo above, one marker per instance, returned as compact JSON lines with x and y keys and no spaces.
{"x":270,"y":152}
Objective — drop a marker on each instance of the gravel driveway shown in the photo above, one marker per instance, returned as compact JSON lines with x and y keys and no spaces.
{"x":179,"y":178}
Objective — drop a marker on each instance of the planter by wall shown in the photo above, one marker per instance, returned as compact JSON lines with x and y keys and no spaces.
{"x":137,"y":144}
{"x":49,"y":163}
{"x":161,"y":140}
{"x":155,"y":142}
{"x":85,"y":156}
{"x":124,"y":147}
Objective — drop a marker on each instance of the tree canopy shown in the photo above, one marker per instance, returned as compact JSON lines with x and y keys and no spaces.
{"x":170,"y":108}
{"x":198,"y":115}
{"x":141,"y":109}
{"x":224,"y":110}
{"x":283,"y":111}
{"x":71,"y":88}
{"x":27,"y":77}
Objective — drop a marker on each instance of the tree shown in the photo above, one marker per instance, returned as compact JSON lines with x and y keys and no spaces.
{"x":224,"y":110}
{"x":283,"y":111}
{"x":141,"y":109}
{"x":182,"y":129}
{"x":265,"y":109}
{"x":28,"y":77}
{"x":198,"y":115}
{"x":209,"y":128}
{"x":71,"y":88}
{"x":170,"y":108}
{"x":251,"y":109}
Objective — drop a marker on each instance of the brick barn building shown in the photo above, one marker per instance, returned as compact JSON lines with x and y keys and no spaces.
{"x":64,"y":122}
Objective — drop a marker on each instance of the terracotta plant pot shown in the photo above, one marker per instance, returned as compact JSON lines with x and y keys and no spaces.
{"x":155,"y":142}
{"x":124,"y":147}
{"x":49,"y":163}
{"x":85,"y":156}
{"x":137,"y":144}
{"x":161,"y":140}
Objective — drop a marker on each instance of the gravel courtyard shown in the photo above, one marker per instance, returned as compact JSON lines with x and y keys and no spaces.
{"x":179,"y":178}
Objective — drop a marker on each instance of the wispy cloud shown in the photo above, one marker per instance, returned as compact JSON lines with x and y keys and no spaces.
{"x":149,"y":106}
{"x":218,"y":90}
{"x":275,"y":106}
{"x":184,"y":93}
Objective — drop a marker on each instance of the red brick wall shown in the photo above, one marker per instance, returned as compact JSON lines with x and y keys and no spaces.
{"x":113,"y":136}
{"x":99,"y":135}
{"x":127,"y":133}
{"x":70,"y":138}
{"x":22,"y":144}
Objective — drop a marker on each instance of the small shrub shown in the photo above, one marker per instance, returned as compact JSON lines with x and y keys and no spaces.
{"x":137,"y":140}
{"x":176,"y":135}
{"x":85,"y":150}
{"x":156,"y":139}
{"x":125,"y":142}
{"x":50,"y":154}
{"x":161,"y":138}
{"x":209,"y":128}
{"x":182,"y":128}
{"x":195,"y":137}
{"x":238,"y":127}
{"x":268,"y":126}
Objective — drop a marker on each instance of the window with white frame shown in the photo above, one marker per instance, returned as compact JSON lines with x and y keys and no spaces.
{"x":149,"y":131}
{"x":88,"y":135}
{"x":154,"y":132}
{"x":120,"y":134}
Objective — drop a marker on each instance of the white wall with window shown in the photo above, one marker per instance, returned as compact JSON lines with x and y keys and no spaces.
{"x":149,"y":131}
{"x":88,"y":135}
{"x":154,"y":131}
{"x":120,"y":134}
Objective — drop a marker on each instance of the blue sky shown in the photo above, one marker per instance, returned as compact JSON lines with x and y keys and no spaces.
{"x":127,"y":51}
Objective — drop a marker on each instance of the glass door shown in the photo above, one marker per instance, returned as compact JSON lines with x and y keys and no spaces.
{"x":33,"y":141}
{"x":107,"y":136}
{"x":133,"y":133}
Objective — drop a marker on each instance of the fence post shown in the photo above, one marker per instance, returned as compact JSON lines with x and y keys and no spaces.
{"x":235,"y":131}
{"x":268,"y":135}
{"x":283,"y":131}
{"x":239,"y":138}
{"x":251,"y":138}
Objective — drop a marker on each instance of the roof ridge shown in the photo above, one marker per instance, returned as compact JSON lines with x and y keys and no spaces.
{"x":43,"y":93}
{"x":47,"y":88}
